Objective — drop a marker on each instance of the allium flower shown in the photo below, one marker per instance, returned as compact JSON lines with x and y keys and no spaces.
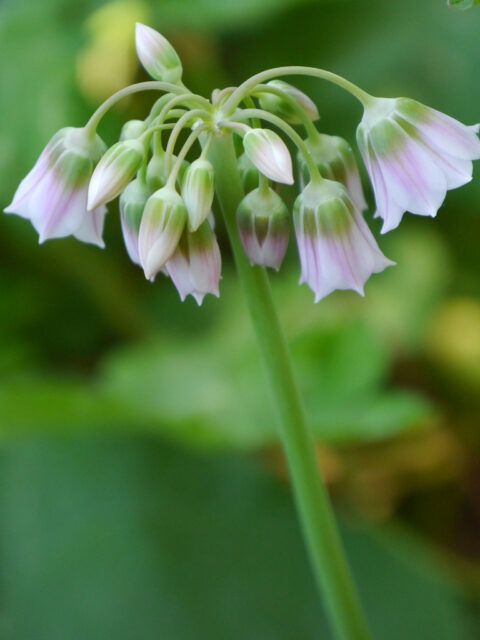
{"x":283,"y":108}
{"x":335,"y":160}
{"x":157,"y":55}
{"x":53,"y":196}
{"x":114,"y":171}
{"x":196,"y":264}
{"x":264,"y":224}
{"x":414,"y":155}
{"x":336,"y":248}
{"x":269,"y":154}
{"x":161,"y":227}
{"x":132,"y":204}
{"x":198,"y":191}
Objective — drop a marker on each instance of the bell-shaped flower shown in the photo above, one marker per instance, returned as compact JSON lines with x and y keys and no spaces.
{"x":196,"y":264}
{"x":53,"y":196}
{"x":197,"y":191}
{"x":414,"y":155}
{"x":132,"y":204}
{"x":264,"y":225}
{"x":269,"y":154}
{"x":282,"y":107}
{"x":337,"y":249}
{"x":115,"y":170}
{"x":157,"y":55}
{"x":335,"y":160}
{"x":163,"y":221}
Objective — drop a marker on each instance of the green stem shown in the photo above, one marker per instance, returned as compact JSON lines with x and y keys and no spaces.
{"x":247,"y":87}
{"x":319,"y":528}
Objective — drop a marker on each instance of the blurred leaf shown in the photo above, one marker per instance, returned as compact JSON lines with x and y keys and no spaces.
{"x":462,"y":4}
{"x":126,"y":539}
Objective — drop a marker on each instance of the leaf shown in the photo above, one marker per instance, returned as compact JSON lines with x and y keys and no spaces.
{"x":124,"y":538}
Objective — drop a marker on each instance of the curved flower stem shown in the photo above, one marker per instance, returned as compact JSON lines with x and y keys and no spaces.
{"x":321,"y":536}
{"x":246,"y":87}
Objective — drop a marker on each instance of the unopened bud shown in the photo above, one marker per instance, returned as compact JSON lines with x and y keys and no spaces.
{"x":282,"y":107}
{"x":198,"y":191}
{"x":162,"y":224}
{"x":264,"y":225}
{"x":335,"y":160}
{"x":269,"y":154}
{"x":114,"y":171}
{"x":133,"y":129}
{"x":157,"y":55}
{"x":132,"y":204}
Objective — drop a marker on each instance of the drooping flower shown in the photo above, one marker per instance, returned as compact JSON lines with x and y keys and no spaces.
{"x":269,"y":154}
{"x":196,"y":264}
{"x":283,"y":108}
{"x":264,"y":224}
{"x":115,"y":170}
{"x":157,"y":55}
{"x":414,"y":155}
{"x":132,"y":204}
{"x":53,"y":196}
{"x":337,"y":249}
{"x":198,"y":191}
{"x":162,"y":224}
{"x":335,"y":160}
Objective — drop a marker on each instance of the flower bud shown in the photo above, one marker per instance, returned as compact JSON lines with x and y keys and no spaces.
{"x":335,"y":161}
{"x":114,"y":171}
{"x":162,"y":224}
{"x":248,"y":173}
{"x":269,"y":154}
{"x":195,"y":266}
{"x":264,"y":225}
{"x":157,"y":173}
{"x":157,"y":55}
{"x":133,"y":129}
{"x":283,"y":108}
{"x":198,"y":192}
{"x":54,"y":194}
{"x":337,"y":249}
{"x":132,"y":204}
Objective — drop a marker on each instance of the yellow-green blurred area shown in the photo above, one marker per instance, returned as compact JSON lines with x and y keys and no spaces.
{"x":143,"y":491}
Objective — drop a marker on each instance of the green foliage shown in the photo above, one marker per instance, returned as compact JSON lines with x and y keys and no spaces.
{"x":463,"y":4}
{"x":125,"y":539}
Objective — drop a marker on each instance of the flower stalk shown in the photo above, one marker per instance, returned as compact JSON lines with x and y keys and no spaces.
{"x":316,"y":516}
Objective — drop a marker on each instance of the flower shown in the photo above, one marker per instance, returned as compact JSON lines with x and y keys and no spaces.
{"x":196,"y":264}
{"x":269,"y":154}
{"x":283,"y":108}
{"x":157,"y":55}
{"x":132,"y":204}
{"x":53,"y":196}
{"x":334,"y":159}
{"x":264,"y":224}
{"x":114,"y":171}
{"x":414,"y":155}
{"x":198,"y":191}
{"x":337,"y":249}
{"x":163,"y":220}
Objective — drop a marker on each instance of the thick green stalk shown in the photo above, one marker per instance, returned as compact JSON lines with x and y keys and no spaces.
{"x":316,"y":516}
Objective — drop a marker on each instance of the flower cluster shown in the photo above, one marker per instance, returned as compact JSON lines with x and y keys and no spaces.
{"x":412,"y":154}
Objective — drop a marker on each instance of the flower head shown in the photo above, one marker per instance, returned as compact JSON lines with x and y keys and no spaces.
{"x":196,"y":264}
{"x":163,"y":221}
{"x":269,"y":154}
{"x":335,"y":160}
{"x":114,"y":171}
{"x":54,"y":194}
{"x":414,"y":155}
{"x":157,"y":55}
{"x":264,"y":224}
{"x":336,"y":248}
{"x":132,"y":204}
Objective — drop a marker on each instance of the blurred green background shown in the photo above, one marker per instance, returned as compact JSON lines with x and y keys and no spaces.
{"x":143,"y":491}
